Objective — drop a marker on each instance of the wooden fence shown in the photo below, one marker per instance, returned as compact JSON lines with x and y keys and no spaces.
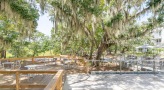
{"x":81,"y":60}
{"x":32,"y":58}
{"x":54,"y":84}
{"x":29,"y":58}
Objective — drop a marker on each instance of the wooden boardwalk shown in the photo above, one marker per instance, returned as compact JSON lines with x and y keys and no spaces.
{"x":11,"y":77}
{"x":25,"y":80}
{"x":36,"y":79}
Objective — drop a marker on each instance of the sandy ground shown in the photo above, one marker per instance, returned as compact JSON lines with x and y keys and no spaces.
{"x":114,"y":82}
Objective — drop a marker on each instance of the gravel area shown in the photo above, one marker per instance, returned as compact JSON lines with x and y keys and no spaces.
{"x":114,"y":82}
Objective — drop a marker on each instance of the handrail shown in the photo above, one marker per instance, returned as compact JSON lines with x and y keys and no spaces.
{"x":56,"y":82}
{"x":23,"y":58}
{"x":11,"y":59}
{"x":80,"y":59}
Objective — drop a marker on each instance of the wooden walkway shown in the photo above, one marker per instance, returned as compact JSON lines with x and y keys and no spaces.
{"x":41,"y":80}
{"x":19,"y":78}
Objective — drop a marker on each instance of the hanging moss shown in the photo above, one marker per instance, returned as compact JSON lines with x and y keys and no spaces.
{"x":115,"y":19}
{"x":153,"y":3}
{"x":24,"y":9}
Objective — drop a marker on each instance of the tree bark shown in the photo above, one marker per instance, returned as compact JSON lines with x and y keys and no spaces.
{"x":115,"y":51}
{"x":103,"y":46}
{"x":3,"y":54}
{"x":91,"y":51}
{"x":124,"y":49}
{"x":101,"y":49}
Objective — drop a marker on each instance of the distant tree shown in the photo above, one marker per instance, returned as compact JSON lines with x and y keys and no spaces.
{"x":18,"y":19}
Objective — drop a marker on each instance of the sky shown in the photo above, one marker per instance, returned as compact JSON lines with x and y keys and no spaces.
{"x":44,"y":24}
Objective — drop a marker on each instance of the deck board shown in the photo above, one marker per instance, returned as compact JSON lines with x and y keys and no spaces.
{"x":42,"y":80}
{"x":39,"y":79}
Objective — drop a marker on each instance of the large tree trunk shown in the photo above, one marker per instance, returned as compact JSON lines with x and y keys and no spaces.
{"x":3,"y":54}
{"x":101,"y":49}
{"x":103,"y":46}
{"x":124,"y":49}
{"x":91,"y":51}
{"x":33,"y":54}
{"x":115,"y":51}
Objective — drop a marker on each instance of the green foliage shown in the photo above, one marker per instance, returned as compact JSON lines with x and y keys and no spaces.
{"x":19,"y":49}
{"x":99,"y":34}
{"x":81,"y":26}
{"x":65,"y":8}
{"x":7,"y":32}
{"x":160,"y":17}
{"x":39,"y":43}
{"x":88,"y":6}
{"x":9,"y":36}
{"x":24,"y":9}
{"x":153,"y":3}
{"x":84,"y":7}
{"x":115,"y":19}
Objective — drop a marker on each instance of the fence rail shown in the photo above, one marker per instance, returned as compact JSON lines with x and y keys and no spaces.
{"x":124,"y":72}
{"x":155,"y":66}
{"x":29,"y":58}
{"x":32,"y":58}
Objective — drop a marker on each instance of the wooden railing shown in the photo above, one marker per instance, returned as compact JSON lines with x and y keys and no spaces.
{"x":32,"y":58}
{"x":29,"y":58}
{"x":80,"y":60}
{"x":24,"y":58}
{"x":55,"y":83}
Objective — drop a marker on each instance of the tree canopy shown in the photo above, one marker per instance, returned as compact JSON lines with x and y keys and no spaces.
{"x":82,"y":26}
{"x":18,"y":21}
{"x":117,"y":20}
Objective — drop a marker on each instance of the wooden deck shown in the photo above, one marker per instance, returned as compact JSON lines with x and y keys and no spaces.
{"x":40,"y":80}
{"x":28,"y":79}
{"x":49,"y":78}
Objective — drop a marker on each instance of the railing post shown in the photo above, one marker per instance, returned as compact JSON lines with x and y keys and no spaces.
{"x":17,"y":80}
{"x":120,"y":66}
{"x":154,"y":67}
{"x":59,"y":86}
{"x":60,"y":57}
{"x":87,"y":67}
{"x":33,"y":60}
{"x":137,"y":67}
